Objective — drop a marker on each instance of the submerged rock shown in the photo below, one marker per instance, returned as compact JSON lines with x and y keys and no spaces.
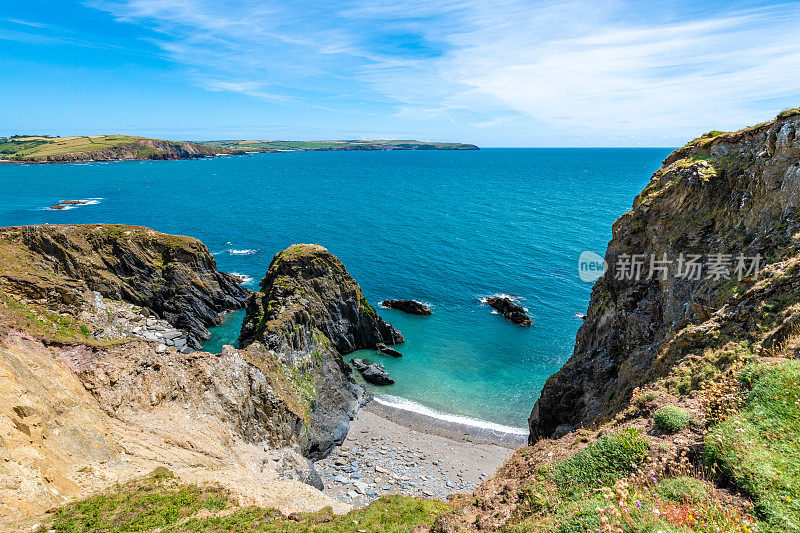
{"x":513,"y":312}
{"x":308,"y":313}
{"x":372,"y":372}
{"x":408,"y":306}
{"x":385,"y":350}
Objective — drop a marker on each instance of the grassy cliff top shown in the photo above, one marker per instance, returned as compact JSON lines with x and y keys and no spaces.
{"x":48,"y":146}
{"x":268,"y":146}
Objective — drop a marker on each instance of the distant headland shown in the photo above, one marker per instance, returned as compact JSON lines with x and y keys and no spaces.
{"x":47,"y":149}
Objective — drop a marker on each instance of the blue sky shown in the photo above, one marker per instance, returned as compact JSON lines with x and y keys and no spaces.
{"x":495,"y":73}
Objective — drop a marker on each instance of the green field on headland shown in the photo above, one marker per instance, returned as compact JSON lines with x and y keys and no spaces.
{"x":277,"y":146}
{"x":16,"y":147}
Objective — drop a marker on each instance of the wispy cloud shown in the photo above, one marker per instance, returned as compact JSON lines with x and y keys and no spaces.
{"x":606,"y":67}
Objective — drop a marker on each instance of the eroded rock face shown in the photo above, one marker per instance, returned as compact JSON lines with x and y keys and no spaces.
{"x":408,"y":306}
{"x":728,"y":194}
{"x":175,"y":277}
{"x":511,"y":311}
{"x":308,"y":313}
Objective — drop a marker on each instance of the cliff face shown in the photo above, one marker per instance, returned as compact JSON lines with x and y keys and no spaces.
{"x":732,"y":194}
{"x":84,"y":405}
{"x":175,"y":277}
{"x":310,"y":311}
{"x":138,"y":150}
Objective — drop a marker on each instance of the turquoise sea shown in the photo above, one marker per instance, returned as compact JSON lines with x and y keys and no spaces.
{"x":445,"y":228}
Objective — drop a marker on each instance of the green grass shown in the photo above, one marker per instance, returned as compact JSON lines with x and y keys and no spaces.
{"x":161,"y":503}
{"x":759,"y":448}
{"x":671,"y":418}
{"x":259,"y":146}
{"x":155,"y":502}
{"x":683,"y":489}
{"x":27,"y":147}
{"x":602,"y":462}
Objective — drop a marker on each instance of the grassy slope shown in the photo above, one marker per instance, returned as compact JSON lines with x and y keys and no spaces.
{"x":257,"y":146}
{"x":39,"y":146}
{"x":162,"y":503}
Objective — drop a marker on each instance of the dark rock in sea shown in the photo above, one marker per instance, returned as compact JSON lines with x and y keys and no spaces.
{"x":373,"y":372}
{"x":385,"y":350}
{"x":509,"y":309}
{"x":308,"y":313}
{"x":409,"y":306}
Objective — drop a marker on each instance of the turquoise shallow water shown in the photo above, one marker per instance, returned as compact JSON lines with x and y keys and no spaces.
{"x":446,"y":228}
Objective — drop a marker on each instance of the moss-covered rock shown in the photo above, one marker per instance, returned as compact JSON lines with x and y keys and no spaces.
{"x":308,"y":313}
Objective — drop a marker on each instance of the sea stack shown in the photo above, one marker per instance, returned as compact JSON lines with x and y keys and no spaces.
{"x":513,"y":312}
{"x":308,"y":313}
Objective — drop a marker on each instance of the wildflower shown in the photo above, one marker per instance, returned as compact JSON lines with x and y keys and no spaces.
{"x":656,"y":512}
{"x":638,"y":503}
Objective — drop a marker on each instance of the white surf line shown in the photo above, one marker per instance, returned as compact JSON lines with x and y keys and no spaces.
{"x":414,"y":407}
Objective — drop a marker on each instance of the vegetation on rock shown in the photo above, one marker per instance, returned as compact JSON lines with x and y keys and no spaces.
{"x":161,"y":502}
{"x":670,"y":418}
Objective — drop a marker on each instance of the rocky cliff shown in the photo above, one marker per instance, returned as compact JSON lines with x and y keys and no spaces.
{"x":722,"y":201}
{"x":174,"y":277}
{"x":84,"y":405}
{"x":308,"y":313}
{"x":139,"y":149}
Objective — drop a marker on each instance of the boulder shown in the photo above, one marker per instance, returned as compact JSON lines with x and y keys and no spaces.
{"x":385,"y":350}
{"x":513,"y":312}
{"x":373,"y":372}
{"x":408,"y":306}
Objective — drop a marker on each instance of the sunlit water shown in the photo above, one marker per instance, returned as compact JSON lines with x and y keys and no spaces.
{"x":445,"y":228}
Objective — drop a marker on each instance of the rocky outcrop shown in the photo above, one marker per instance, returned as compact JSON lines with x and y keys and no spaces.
{"x":721,"y":201}
{"x":373,"y":372}
{"x":412,"y":307}
{"x":385,"y":350}
{"x":511,"y":311}
{"x":308,"y":313}
{"x":174,"y":277}
{"x":86,"y":404}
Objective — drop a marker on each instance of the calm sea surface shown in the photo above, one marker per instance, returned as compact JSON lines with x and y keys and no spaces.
{"x":446,"y":228}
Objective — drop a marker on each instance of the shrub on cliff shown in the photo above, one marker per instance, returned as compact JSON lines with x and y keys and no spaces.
{"x":759,"y":447}
{"x":602,"y":462}
{"x":671,"y":418}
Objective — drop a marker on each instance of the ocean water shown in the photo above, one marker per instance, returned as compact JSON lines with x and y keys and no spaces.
{"x":445,"y":228}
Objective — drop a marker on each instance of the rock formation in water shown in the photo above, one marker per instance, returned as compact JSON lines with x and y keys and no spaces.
{"x":385,"y":350}
{"x":408,"y":306}
{"x":308,"y":313}
{"x":511,"y":311}
{"x":373,"y":372}
{"x":724,"y":202}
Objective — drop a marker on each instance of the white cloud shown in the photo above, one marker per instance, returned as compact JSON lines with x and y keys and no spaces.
{"x":571,"y":64}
